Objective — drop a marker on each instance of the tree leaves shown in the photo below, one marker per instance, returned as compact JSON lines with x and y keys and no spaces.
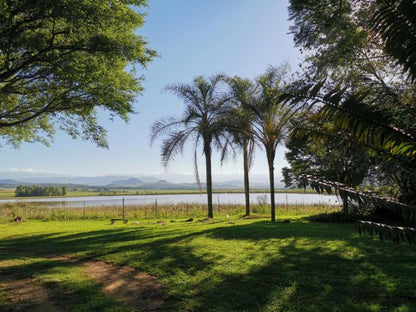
{"x":359,"y":114}
{"x":366,"y":201}
{"x":395,"y":234}
{"x":63,"y":59}
{"x":395,"y":23}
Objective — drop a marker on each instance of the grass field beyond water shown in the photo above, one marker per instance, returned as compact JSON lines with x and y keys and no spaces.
{"x":220,"y":265}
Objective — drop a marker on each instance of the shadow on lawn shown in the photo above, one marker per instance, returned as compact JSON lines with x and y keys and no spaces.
{"x":313,"y":270}
{"x":66,"y":294}
{"x":316,"y":277}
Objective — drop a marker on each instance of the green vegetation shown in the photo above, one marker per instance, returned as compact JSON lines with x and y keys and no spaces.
{"x":39,"y":190}
{"x":38,"y":211}
{"x":202,"y":122}
{"x":240,"y":125}
{"x":58,"y":68}
{"x":357,"y":89}
{"x":221,"y":265}
{"x":218,"y":119}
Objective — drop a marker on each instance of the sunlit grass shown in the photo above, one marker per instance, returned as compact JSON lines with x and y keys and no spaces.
{"x":229,"y":264}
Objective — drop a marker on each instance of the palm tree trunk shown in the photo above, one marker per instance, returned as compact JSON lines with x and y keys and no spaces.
{"x":270,"y":161}
{"x":207,"y":152}
{"x":246,"y":179}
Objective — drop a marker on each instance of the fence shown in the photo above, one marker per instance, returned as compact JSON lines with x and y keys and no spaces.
{"x":76,"y":210}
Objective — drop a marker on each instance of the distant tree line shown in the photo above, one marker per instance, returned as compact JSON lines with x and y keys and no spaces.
{"x":39,"y":190}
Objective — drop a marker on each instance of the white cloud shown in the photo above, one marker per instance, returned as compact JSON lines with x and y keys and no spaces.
{"x":24,"y":170}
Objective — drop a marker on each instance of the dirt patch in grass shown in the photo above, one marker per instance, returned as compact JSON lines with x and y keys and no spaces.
{"x":133,"y":289}
{"x":28,"y":295}
{"x":137,"y":290}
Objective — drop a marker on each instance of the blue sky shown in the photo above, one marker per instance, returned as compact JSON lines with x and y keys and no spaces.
{"x":235,"y":37}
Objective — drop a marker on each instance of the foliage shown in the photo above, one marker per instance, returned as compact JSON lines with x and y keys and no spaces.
{"x":365,"y":201}
{"x":369,"y":103}
{"x":270,"y":119}
{"x":240,"y":121}
{"x":151,"y":212}
{"x":39,"y":190}
{"x":394,"y":22}
{"x":368,"y":203}
{"x":202,"y":122}
{"x":250,"y":265}
{"x":62,"y":62}
{"x":312,"y":150}
{"x":396,"y":234}
{"x":338,"y":43}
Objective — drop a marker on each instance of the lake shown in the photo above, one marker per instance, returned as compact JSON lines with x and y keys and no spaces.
{"x":220,"y":198}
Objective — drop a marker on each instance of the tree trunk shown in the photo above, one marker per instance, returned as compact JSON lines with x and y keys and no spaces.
{"x":345,"y":208}
{"x":246,"y":179}
{"x":270,"y":160}
{"x":207,"y":151}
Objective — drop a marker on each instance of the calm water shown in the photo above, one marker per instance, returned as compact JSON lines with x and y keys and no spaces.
{"x":221,"y":198}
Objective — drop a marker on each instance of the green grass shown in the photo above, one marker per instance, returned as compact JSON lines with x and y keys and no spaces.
{"x":242,"y":265}
{"x":6,"y":193}
{"x":38,"y":211}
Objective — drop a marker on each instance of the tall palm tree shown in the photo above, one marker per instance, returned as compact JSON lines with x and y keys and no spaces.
{"x":202,"y":121}
{"x":270,"y":123}
{"x":240,"y":125}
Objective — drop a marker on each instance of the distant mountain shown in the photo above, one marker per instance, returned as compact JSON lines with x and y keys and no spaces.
{"x":9,"y":183}
{"x":149,"y":179}
{"x":133,"y":182}
{"x":93,"y":181}
{"x":12,"y":179}
{"x":151,"y":183}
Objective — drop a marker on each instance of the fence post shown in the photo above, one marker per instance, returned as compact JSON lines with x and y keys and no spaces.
{"x":85,"y":215}
{"x":156,"y":208}
{"x":287,"y":207}
{"x":123,"y":211}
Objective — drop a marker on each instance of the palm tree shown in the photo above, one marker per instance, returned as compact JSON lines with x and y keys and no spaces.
{"x":378,"y":117}
{"x":202,"y":121}
{"x":271,"y":118}
{"x":240,"y":127}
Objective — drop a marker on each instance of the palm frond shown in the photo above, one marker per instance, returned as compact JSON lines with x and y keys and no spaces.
{"x":395,"y":234}
{"x":162,"y":126}
{"x":359,"y":114}
{"x":173,"y":144}
{"x":188,"y":93}
{"x":395,"y":23}
{"x":365,"y":201}
{"x":196,"y":171}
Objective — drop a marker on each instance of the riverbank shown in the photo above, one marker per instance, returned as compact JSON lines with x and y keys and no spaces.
{"x":9,"y":193}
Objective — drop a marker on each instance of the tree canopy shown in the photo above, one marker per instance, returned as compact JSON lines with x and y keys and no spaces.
{"x":368,"y":96}
{"x":61,"y":62}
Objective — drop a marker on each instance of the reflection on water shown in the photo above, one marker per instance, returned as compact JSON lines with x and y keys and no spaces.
{"x":221,"y":198}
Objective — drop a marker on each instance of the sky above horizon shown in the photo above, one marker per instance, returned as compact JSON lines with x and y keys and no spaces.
{"x":234,"y":37}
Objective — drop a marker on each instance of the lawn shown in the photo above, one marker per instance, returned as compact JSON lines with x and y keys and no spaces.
{"x":221,"y":265}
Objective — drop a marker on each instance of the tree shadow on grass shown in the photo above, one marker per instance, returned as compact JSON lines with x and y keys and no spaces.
{"x":307,"y":266}
{"x":47,"y":285}
{"x":324,"y":275}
